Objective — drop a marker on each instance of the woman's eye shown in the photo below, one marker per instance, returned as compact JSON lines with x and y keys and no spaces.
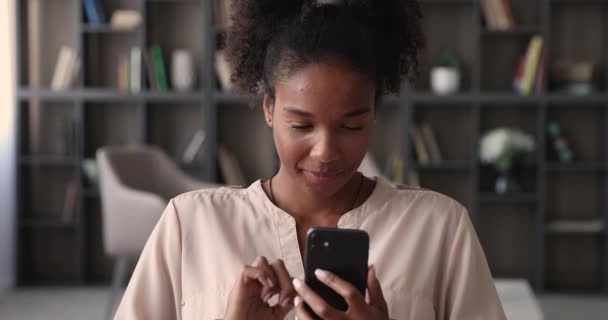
{"x":353,"y":128}
{"x":300,"y":126}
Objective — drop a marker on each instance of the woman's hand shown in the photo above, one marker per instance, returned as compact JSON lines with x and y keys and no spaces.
{"x":358,"y":308}
{"x":257,"y":284}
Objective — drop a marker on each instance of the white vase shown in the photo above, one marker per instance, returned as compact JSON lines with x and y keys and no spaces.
{"x":182,"y":70}
{"x":445,"y":80}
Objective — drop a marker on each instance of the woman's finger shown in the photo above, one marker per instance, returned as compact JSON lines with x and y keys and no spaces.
{"x":271,"y":287}
{"x":287,"y":291}
{"x":301,"y":313}
{"x":262,"y":263}
{"x":314,"y":301}
{"x":376,"y":297}
{"x":353,"y":297}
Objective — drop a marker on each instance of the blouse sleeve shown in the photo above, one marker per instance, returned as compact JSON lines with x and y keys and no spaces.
{"x":469,"y":291}
{"x":154,"y":291}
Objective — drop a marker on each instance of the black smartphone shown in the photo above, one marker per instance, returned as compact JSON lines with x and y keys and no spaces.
{"x":343,"y":252}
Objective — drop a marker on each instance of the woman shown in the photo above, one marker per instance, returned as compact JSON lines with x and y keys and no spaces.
{"x":237,"y":253}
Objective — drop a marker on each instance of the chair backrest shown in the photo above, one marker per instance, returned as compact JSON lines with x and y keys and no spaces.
{"x":130,"y":202}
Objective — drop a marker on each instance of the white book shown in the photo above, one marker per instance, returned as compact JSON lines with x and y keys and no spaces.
{"x":193,"y":148}
{"x":222,"y":67}
{"x":135,"y":71}
{"x":62,"y":68}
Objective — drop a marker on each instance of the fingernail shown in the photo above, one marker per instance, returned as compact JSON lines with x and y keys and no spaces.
{"x":267,"y":296}
{"x":285,"y":302}
{"x":321,"y":274}
{"x":297,"y":283}
{"x":297,"y":301}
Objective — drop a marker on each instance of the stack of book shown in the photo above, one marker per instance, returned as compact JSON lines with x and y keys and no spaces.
{"x":497,"y":14}
{"x":130,"y":70}
{"x":573,"y":77}
{"x":530,"y":71}
{"x":425,"y":144}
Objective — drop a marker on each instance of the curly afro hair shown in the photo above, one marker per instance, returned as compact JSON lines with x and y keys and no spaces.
{"x":270,"y":39}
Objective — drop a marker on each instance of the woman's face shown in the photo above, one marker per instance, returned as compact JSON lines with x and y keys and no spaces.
{"x":323,"y":120}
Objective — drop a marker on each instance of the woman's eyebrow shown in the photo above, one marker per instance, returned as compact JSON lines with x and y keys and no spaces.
{"x":303,"y":113}
{"x":297,"y":111}
{"x":357,"y":112}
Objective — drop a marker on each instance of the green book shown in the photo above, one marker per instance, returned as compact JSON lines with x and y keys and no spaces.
{"x":159,"y":67}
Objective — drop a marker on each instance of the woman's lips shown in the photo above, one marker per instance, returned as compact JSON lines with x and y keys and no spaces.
{"x":322,"y":177}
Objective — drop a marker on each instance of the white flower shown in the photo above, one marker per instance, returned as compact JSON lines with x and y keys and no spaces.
{"x":500,"y":140}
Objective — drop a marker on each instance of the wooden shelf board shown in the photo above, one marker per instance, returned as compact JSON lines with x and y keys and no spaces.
{"x":48,"y":160}
{"x":575,"y":227}
{"x":488,"y":197}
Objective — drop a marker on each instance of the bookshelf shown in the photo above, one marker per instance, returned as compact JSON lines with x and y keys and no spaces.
{"x":553,"y":233}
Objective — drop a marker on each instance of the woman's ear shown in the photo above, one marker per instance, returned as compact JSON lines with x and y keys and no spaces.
{"x":268,"y":106}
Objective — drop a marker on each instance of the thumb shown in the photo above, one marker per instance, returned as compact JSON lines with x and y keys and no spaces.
{"x":376,"y":297}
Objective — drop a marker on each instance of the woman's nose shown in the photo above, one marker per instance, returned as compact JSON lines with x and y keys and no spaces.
{"x":325,"y":149}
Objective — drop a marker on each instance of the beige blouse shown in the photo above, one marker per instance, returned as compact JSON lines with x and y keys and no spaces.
{"x":427,"y":256}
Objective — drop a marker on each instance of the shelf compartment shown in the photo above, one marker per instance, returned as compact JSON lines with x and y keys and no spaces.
{"x":578,"y":35}
{"x":48,"y":128}
{"x":573,"y":262}
{"x":59,"y":25}
{"x":459,"y":38}
{"x":585,"y":129}
{"x":167,"y":26}
{"x":575,"y":196}
{"x":48,"y":255}
{"x":172,"y":125}
{"x":106,"y":124}
{"x":506,"y":232}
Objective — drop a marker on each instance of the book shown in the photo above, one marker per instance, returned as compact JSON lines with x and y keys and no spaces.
{"x":135,"y":70}
{"x":230,"y":168}
{"x":63,"y":68}
{"x":71,"y":201}
{"x":422,"y":154}
{"x":123,"y":74}
{"x":507,"y":14}
{"x":159,"y":67}
{"x":532,"y":60}
{"x":431,"y":142}
{"x":194,"y":146}
{"x":519,"y":73}
{"x":90,"y":9}
{"x":150,"y":71}
{"x":222,"y":67}
{"x":100,"y":12}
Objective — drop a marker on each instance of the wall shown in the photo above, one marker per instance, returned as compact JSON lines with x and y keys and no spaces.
{"x":7,"y":144}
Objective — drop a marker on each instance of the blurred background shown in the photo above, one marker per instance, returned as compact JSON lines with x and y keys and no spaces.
{"x":114,"y":106}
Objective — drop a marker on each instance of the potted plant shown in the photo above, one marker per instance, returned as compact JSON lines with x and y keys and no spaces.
{"x":501,"y":148}
{"x":445,"y":73}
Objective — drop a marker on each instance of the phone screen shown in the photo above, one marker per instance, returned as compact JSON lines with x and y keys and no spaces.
{"x":343,"y":252}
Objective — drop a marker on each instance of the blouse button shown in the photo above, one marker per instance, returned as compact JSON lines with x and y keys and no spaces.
{"x":183,"y":303}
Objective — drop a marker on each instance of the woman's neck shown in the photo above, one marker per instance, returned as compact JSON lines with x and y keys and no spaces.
{"x":314,"y":208}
